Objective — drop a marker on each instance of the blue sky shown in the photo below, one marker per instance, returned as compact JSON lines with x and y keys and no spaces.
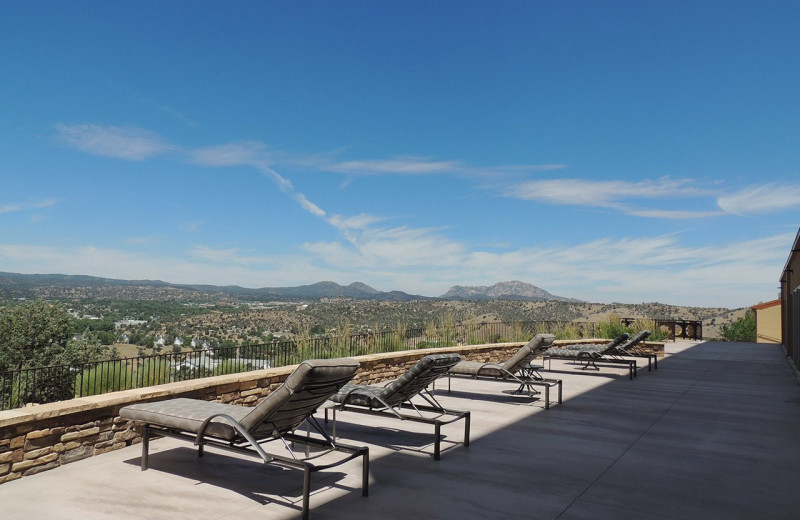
{"x":607,"y":151}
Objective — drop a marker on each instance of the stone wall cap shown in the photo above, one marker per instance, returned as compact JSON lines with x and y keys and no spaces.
{"x":39,"y":412}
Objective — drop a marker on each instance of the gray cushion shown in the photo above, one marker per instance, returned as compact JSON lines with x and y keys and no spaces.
{"x":187,"y":415}
{"x":526,"y":353}
{"x":632,"y":344}
{"x":405,"y":387}
{"x":475,"y":368}
{"x":283,"y":410}
{"x":589,"y":347}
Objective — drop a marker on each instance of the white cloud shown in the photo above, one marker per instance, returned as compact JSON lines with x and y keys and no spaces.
{"x":768,"y":198}
{"x":361,"y":221}
{"x":410,"y":166}
{"x":401,"y":247}
{"x":671,"y":213}
{"x":23,"y":206}
{"x":617,"y":195}
{"x":230,"y":154}
{"x":599,"y":193}
{"x":309,"y":206}
{"x":133,"y":144}
{"x":400,"y":166}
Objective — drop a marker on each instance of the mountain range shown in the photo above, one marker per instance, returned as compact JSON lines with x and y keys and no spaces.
{"x":13,"y":285}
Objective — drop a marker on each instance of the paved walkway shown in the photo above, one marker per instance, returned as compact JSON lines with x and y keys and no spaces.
{"x":713,"y":433}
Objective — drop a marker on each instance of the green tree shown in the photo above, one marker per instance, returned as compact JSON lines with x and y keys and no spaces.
{"x":743,"y":329}
{"x":33,"y":334}
{"x":84,"y":348}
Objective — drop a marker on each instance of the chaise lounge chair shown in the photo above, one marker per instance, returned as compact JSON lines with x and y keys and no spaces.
{"x":397,"y":396}
{"x":633,"y":349}
{"x":244,"y":429}
{"x":590,"y":355}
{"x":619,"y":348}
{"x":516,"y":369}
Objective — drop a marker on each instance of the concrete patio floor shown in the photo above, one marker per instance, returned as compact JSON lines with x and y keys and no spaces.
{"x":713,"y":433}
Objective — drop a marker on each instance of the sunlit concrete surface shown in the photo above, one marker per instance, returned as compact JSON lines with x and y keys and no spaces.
{"x":713,"y":433}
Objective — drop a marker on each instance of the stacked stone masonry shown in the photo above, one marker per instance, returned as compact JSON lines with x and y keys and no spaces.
{"x":42,"y":437}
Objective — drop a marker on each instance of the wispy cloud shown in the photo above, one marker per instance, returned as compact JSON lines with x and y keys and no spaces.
{"x":409,"y":166}
{"x":768,"y":198}
{"x":229,"y":154}
{"x":599,"y":193}
{"x":623,"y":196}
{"x":23,"y":206}
{"x":132,"y":144}
{"x":614,"y":194}
{"x":399,"y":166}
{"x":361,"y":221}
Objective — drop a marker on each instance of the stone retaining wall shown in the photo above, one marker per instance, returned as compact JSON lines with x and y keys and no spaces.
{"x":42,"y":437}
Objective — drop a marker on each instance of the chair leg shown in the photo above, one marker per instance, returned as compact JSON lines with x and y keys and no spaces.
{"x":437,"y":440}
{"x":466,"y":430}
{"x":306,"y":491}
{"x":365,"y":474}
{"x":145,"y":447}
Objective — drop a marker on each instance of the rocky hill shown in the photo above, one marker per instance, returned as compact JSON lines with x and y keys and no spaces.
{"x":514,"y":290}
{"x":69,"y":287}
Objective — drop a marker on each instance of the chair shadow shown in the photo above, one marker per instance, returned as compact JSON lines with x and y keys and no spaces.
{"x":396,"y":439}
{"x":282,"y":485}
{"x":504,"y":396}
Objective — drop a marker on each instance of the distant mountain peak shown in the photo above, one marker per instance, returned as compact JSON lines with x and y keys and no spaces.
{"x":512,"y":290}
{"x":13,"y":285}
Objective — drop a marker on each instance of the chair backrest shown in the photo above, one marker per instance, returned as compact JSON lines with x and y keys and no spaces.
{"x":635,"y":340}
{"x":614,"y":343}
{"x":310,"y":385}
{"x":418,"y":377}
{"x":528,"y":352}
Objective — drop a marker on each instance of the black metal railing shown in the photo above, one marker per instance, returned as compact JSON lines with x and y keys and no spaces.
{"x":55,"y":383}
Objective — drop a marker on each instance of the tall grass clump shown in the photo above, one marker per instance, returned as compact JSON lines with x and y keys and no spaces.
{"x":567,"y":331}
{"x":656,"y":334}
{"x":106,"y":377}
{"x":610,"y":327}
{"x":340,"y":347}
{"x":153,"y":371}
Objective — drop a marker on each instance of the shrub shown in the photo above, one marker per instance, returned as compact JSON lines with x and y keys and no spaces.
{"x":743,"y":329}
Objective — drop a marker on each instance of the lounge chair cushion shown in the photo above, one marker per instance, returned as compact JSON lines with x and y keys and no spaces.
{"x":311,"y":383}
{"x":475,"y":368}
{"x":633,"y":343}
{"x":569,"y":353}
{"x":187,"y":415}
{"x":593,"y":347}
{"x":360,"y":395}
{"x":526,"y":353}
{"x":416,"y":379}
